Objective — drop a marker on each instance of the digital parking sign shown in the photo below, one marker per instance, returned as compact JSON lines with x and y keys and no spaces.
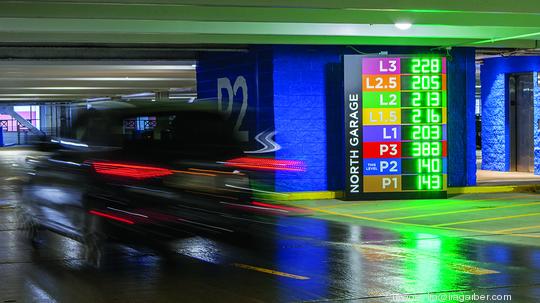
{"x":395,"y":126}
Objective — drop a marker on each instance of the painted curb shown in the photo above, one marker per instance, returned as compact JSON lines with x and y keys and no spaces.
{"x":324,"y":195}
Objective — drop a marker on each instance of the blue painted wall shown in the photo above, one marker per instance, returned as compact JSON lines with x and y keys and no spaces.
{"x":495,"y":109}
{"x":461,"y":77}
{"x":255,"y":67}
{"x":300,"y":114}
{"x":300,"y":88}
{"x":309,"y":114}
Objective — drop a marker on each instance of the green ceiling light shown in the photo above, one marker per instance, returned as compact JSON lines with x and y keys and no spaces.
{"x":403,"y":25}
{"x":506,"y":38}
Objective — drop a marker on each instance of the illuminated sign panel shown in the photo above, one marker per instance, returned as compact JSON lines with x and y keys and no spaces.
{"x":395,"y":126}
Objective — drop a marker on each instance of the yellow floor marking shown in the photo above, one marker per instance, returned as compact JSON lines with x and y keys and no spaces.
{"x":465,"y":211}
{"x":486,"y":219}
{"x":382,"y":253}
{"x":355,"y":203}
{"x":482,"y":231}
{"x":314,"y":195}
{"x":270,"y":271}
{"x":348,"y":215}
{"x":413,"y":207}
{"x":13,"y":178}
{"x":517,"y":228}
{"x":491,"y":189}
{"x":420,"y":225}
{"x":525,"y":235}
{"x":403,"y":208}
{"x":374,"y":253}
{"x":391,"y":222}
{"x":429,"y":205}
{"x":294,"y":196}
{"x":473,"y":270}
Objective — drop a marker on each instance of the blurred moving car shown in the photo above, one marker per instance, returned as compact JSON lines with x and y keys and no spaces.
{"x":145,"y":174}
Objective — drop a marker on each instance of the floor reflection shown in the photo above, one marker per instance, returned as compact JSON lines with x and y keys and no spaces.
{"x":340,"y":261}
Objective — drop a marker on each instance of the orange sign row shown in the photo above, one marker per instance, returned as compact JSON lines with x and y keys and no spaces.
{"x":389,"y":83}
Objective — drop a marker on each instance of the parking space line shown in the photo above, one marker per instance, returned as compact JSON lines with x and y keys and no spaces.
{"x":525,"y":235}
{"x":349,"y":215}
{"x":402,"y":208}
{"x":464,"y":211}
{"x":485,"y":220}
{"x":473,"y":270}
{"x":431,"y":205}
{"x":479,"y":231}
{"x":352,"y":204}
{"x":383,"y":253}
{"x":414,"y":207}
{"x":517,"y":228}
{"x":270,"y":271}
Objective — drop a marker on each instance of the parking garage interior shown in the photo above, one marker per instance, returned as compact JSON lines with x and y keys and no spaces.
{"x":274,"y":71}
{"x":47,"y":92}
{"x":42,"y":93}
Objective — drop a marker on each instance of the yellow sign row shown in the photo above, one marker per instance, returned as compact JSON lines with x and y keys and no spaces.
{"x":393,"y":116}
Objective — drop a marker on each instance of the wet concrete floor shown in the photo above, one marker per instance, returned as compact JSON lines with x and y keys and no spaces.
{"x":302,"y":259}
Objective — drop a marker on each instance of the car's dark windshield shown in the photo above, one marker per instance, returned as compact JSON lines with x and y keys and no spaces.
{"x":192,"y":133}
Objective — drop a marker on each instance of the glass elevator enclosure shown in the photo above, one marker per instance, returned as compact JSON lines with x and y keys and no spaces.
{"x":521,"y":114}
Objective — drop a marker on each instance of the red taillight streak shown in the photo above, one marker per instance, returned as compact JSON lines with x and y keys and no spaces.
{"x":130,"y":170}
{"x":276,"y":206}
{"x":108,"y":216}
{"x":266,"y":164}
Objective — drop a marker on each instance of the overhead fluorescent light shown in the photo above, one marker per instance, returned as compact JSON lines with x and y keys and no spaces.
{"x":138,"y":95}
{"x":73,"y":143}
{"x":72,"y":88}
{"x":134,"y":79}
{"x":98,"y":99}
{"x":403,"y":25}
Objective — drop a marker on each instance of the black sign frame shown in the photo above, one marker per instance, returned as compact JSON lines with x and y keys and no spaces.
{"x":354,"y":173}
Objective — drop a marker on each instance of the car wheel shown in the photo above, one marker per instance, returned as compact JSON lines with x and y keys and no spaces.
{"x":30,"y":229}
{"x":93,"y":250}
{"x":93,"y":242}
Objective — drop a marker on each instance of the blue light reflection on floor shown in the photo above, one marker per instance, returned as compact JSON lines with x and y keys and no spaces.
{"x":300,"y":257}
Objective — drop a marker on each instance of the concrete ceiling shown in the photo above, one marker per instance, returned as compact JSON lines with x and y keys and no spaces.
{"x":483,"y":23}
{"x":36,"y":81}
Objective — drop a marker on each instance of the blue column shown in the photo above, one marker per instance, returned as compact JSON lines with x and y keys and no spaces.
{"x":461,"y":118}
{"x":302,"y":91}
{"x":245,"y":80}
{"x":495,"y":110}
{"x":297,"y":91}
{"x":536,"y":124}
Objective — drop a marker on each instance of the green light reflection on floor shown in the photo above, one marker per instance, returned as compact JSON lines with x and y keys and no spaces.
{"x":431,"y":264}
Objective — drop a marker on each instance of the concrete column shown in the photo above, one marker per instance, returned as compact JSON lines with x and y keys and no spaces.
{"x":46,"y":119}
{"x":162,"y":96}
{"x":161,"y":122}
